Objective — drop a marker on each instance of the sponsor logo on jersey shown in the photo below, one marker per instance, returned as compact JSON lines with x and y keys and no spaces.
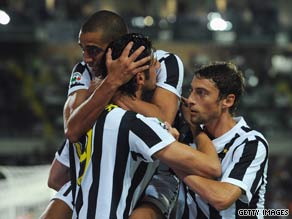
{"x":76,"y":78}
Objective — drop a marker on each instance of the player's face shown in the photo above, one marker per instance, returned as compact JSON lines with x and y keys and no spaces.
{"x":204,"y":104}
{"x":92,"y":48}
{"x":150,"y":84}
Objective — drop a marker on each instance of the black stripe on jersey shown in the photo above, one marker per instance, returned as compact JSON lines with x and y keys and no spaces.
{"x":72,"y":171}
{"x":76,"y":84}
{"x":214,"y":213}
{"x":186,"y":206}
{"x":241,"y":205}
{"x":96,"y":158}
{"x":255,"y":198}
{"x":80,"y":67}
{"x":227,"y":146}
{"x":67,"y":191}
{"x":138,"y":176}
{"x":260,"y":172}
{"x":79,"y":201}
{"x":200,"y":213}
{"x":120,"y":162}
{"x":62,"y":147}
{"x":246,"y":129}
{"x":248,"y":155}
{"x":172,"y":69}
{"x":147,"y":135}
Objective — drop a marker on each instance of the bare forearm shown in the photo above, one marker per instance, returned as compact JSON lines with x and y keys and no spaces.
{"x":206,"y":146}
{"x":219,"y":194}
{"x":190,"y":161}
{"x":84,"y":116}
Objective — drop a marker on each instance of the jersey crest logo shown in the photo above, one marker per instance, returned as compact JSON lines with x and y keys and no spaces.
{"x":76,"y":78}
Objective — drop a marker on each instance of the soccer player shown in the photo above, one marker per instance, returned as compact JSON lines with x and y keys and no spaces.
{"x":95,"y":35}
{"x":113,"y":163}
{"x":243,"y":151}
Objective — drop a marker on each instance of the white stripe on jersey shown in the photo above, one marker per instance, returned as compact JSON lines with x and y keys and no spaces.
{"x":116,"y":174}
{"x":244,"y":164}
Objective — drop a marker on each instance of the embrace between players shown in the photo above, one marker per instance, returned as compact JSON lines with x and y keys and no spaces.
{"x":120,"y":161}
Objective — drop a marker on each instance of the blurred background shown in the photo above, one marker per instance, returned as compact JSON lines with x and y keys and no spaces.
{"x":38,"y":41}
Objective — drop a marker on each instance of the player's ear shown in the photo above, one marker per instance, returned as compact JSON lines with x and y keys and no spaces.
{"x":228,"y":101}
{"x":140,"y":77}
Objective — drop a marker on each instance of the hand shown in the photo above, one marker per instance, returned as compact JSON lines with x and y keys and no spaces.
{"x":122,"y":69}
{"x":186,"y":110}
{"x":173,"y":131}
{"x":195,"y":128}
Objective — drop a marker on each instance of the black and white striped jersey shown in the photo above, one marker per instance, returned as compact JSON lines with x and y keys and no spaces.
{"x":113,"y":163}
{"x":244,"y":158}
{"x":171,"y":72}
{"x":169,"y":76}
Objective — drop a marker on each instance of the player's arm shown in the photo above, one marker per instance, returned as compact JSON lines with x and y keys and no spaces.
{"x":188,"y":160}
{"x":219,"y":194}
{"x":58,"y":176}
{"x":164,"y":105}
{"x":119,"y":72}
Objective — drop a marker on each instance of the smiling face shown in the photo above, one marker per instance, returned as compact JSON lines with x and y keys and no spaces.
{"x":93,"y":49}
{"x":204,"y":102}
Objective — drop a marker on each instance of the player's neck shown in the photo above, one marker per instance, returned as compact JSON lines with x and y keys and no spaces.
{"x":221,"y":125}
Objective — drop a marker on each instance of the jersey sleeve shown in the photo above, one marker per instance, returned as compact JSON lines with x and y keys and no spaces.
{"x":80,"y":78}
{"x":249,"y":163}
{"x":62,"y":155}
{"x":162,"y":190}
{"x":171,"y":72}
{"x":147,"y":136}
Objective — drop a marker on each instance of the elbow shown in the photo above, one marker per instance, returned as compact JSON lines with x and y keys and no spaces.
{"x":71,"y":134}
{"x":51,"y":184}
{"x":214,"y":170}
{"x":222,"y":204}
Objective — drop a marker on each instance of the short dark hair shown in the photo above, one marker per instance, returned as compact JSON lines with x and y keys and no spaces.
{"x":227,"y":78}
{"x":110,"y":24}
{"x":117,"y":48}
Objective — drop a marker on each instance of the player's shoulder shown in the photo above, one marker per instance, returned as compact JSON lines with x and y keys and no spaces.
{"x":248,"y":133}
{"x":80,"y":67}
{"x":163,"y":55}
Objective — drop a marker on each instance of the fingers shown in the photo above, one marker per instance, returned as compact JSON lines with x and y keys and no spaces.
{"x":109,"y":56}
{"x":127,"y":49}
{"x":184,"y":101}
{"x":142,"y":61}
{"x":140,"y":69}
{"x":137,"y":52}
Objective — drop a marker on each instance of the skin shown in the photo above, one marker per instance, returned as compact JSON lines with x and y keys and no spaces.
{"x":83,"y":108}
{"x":90,"y":102}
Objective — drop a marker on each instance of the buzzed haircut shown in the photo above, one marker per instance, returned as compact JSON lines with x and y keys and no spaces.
{"x":110,"y":24}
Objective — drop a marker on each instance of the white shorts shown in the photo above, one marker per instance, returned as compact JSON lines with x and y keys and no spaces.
{"x":65,"y":194}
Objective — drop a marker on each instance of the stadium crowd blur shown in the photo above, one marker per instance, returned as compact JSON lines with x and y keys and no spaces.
{"x":39,"y":49}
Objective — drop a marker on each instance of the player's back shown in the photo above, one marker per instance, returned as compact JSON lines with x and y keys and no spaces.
{"x":115,"y":161}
